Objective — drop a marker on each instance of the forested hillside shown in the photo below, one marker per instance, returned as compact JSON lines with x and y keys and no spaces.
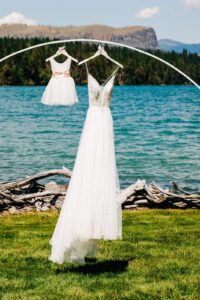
{"x":30,"y":68}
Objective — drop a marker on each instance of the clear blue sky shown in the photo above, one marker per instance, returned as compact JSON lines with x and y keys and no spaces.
{"x":174,"y":19}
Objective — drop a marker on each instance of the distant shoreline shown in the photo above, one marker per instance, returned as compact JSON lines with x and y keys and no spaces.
{"x":116,"y":85}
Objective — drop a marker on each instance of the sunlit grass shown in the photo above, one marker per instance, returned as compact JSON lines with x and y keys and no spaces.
{"x":158,"y":258}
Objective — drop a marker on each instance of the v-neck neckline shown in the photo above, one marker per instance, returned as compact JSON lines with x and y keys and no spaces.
{"x":105,"y":83}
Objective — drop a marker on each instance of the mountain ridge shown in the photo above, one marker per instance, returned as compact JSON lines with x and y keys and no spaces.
{"x":136,"y":36}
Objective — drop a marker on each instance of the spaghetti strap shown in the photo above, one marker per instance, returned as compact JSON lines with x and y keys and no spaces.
{"x":110,"y":76}
{"x":113,"y":73}
{"x":87,"y":68}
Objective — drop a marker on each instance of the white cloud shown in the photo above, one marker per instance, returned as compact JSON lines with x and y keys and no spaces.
{"x":16,"y":18}
{"x":148,"y":12}
{"x":192,"y":4}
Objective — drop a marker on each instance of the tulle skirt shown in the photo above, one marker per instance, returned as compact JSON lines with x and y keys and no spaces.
{"x":60,"y":91}
{"x":91,"y":209}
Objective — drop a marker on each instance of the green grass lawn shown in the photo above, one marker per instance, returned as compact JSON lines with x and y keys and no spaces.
{"x":158,"y":258}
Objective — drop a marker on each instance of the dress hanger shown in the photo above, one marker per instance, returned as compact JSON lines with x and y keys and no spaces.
{"x":61,"y":50}
{"x":101,"y":51}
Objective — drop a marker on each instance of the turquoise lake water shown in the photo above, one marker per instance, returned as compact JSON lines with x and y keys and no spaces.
{"x":157,"y":133}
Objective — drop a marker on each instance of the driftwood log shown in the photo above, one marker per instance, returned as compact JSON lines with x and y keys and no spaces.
{"x":28,"y":194}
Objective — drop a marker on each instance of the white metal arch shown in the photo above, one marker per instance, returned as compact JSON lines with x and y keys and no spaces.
{"x":104,"y":42}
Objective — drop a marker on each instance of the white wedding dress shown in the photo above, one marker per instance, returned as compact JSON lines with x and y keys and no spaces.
{"x":60,"y":89}
{"x":92,"y":206}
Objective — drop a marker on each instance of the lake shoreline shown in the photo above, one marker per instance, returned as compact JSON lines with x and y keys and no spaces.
{"x":156,"y":133}
{"x":29,"y":193}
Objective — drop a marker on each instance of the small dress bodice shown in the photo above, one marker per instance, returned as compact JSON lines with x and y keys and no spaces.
{"x":60,"y":70}
{"x":60,"y":89}
{"x":100,"y":95}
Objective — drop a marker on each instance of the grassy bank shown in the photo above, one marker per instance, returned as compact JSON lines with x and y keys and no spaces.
{"x":158,"y":258}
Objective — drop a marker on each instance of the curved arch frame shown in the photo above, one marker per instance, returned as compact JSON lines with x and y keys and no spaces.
{"x":104,"y":42}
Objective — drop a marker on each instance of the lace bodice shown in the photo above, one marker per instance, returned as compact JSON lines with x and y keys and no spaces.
{"x":60,"y":69}
{"x":100,"y":95}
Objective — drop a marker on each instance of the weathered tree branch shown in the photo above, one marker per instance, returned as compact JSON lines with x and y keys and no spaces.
{"x":27,"y":193}
{"x":25,"y":181}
